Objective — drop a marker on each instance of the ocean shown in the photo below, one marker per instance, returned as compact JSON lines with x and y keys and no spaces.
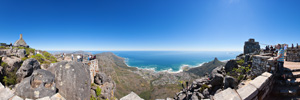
{"x":171,"y":61}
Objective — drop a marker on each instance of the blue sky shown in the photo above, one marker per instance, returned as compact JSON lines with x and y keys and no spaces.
{"x":197,"y":25}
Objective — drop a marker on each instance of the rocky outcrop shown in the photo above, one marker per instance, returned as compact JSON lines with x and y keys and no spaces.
{"x":21,"y":53}
{"x":13,"y":63}
{"x":72,"y":80}
{"x":101,"y":78}
{"x":203,"y":87}
{"x":230,"y":82}
{"x":106,"y":84}
{"x":40,"y":84}
{"x":131,"y":96}
{"x":27,"y":68}
{"x":230,"y":65}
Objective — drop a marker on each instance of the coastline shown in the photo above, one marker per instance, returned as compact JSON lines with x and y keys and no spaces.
{"x":170,"y":70}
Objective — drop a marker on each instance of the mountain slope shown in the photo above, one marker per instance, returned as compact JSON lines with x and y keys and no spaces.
{"x":206,"y":67}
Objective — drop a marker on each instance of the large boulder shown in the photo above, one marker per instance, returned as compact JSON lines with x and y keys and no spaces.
{"x":12,"y":62}
{"x":217,"y":80}
{"x":217,"y":76}
{"x":73,"y":79}
{"x":230,"y":65}
{"x":101,"y":78}
{"x":40,"y":84}
{"x":230,"y":82}
{"x":27,"y":68}
{"x":107,"y":90}
{"x":21,"y":53}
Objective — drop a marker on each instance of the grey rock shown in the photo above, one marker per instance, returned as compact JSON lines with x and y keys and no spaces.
{"x":16,"y":98}
{"x":101,"y":78}
{"x":57,"y":96}
{"x":93,"y":93}
{"x":195,"y":97}
{"x":6,"y":93}
{"x":27,"y":68}
{"x":230,"y":82}
{"x":72,"y":79}
{"x":13,"y":63}
{"x":107,"y":89}
{"x":230,"y":65}
{"x":228,"y":94}
{"x":131,"y":96}
{"x":21,"y":53}
{"x":44,"y":98}
{"x":217,"y":80}
{"x":39,"y":84}
{"x":206,"y":93}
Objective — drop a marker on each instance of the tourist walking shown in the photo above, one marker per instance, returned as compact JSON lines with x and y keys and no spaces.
{"x":280,"y":60}
{"x":89,"y":58}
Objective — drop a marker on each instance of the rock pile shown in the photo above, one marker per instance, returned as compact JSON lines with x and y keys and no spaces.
{"x":204,"y":87}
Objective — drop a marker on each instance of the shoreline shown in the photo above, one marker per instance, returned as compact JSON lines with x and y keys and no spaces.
{"x":170,"y":70}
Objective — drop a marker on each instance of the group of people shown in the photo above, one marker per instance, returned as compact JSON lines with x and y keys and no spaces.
{"x":80,"y":57}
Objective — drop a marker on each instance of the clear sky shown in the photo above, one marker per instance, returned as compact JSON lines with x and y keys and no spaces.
{"x":204,"y":25}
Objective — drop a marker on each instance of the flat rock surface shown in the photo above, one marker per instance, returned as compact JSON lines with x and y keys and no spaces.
{"x":228,"y":94}
{"x":6,"y":94}
{"x":247,"y":92}
{"x":259,"y":81}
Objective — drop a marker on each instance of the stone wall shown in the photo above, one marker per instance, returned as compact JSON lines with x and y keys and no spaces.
{"x":293,"y":54}
{"x":261,"y":64}
{"x":93,"y":69}
{"x":257,"y":89}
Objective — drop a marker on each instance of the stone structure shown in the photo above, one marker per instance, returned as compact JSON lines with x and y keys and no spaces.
{"x":262,"y":64}
{"x":293,"y":54}
{"x":257,"y":89}
{"x":251,"y":46}
{"x":93,"y":69}
{"x":20,"y":42}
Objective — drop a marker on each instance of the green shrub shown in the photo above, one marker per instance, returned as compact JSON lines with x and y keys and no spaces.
{"x":10,"y":78}
{"x":3,"y":47}
{"x":240,"y":62}
{"x":24,"y":58}
{"x":241,"y":77}
{"x":49,"y":57}
{"x":4,"y":65}
{"x":29,"y":50}
{"x":93,"y":98}
{"x":39,"y":57}
{"x":98,"y":91}
{"x":203,"y":87}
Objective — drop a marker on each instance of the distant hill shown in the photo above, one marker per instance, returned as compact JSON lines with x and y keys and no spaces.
{"x":206,"y":67}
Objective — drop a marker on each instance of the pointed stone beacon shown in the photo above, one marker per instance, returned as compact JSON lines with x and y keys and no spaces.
{"x":20,"y":42}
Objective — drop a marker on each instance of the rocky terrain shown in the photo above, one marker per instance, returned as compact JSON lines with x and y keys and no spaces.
{"x":35,"y":74}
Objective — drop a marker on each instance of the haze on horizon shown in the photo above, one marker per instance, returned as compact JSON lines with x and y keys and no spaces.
{"x":193,"y":25}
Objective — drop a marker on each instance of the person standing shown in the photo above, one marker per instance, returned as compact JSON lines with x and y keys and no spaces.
{"x":78,"y":58}
{"x":280,"y":60}
{"x":72,"y":57}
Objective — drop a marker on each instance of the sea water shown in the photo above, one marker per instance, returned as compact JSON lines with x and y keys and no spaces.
{"x":170,"y":60}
